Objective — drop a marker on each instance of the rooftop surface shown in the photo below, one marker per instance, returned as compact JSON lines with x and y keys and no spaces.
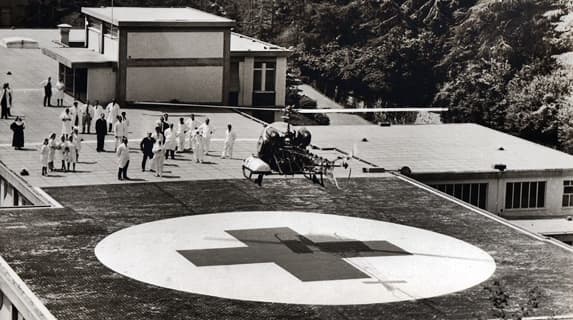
{"x":138,"y":16}
{"x":77,"y":57}
{"x":452,"y":148}
{"x":241,"y":44}
{"x":546,"y":226}
{"x":53,"y":250}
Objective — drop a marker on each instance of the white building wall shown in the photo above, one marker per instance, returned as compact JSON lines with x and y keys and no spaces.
{"x":186,"y":84}
{"x":167,"y":45}
{"x":280,"y":81}
{"x":101,"y":85}
{"x":246,"y":80}
{"x":496,"y":196}
{"x":94,"y":40}
{"x":111,"y":47}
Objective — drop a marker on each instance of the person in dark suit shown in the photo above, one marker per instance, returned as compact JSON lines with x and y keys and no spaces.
{"x":18,"y":137}
{"x":5,"y":101}
{"x":146,"y":147}
{"x":101,"y":131}
{"x":47,"y":92}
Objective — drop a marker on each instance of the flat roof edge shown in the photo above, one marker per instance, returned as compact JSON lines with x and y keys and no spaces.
{"x":260,"y":53}
{"x":484,"y":213}
{"x":28,"y":304}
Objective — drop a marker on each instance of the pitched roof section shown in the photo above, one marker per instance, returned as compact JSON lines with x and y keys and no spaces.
{"x":164,"y":17}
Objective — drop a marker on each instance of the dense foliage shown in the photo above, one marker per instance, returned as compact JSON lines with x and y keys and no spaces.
{"x":489,"y":61}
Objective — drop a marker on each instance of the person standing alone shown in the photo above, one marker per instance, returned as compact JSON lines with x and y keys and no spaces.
{"x":18,"y":133}
{"x":229,"y":142}
{"x":122,"y":160}
{"x":101,"y":131}
{"x":6,"y":101}
{"x":47,"y":84}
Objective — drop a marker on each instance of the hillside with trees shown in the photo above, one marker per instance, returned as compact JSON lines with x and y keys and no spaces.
{"x":491,"y":62}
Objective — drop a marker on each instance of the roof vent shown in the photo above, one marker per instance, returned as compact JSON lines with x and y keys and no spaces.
{"x":501,"y":148}
{"x":500,"y":166}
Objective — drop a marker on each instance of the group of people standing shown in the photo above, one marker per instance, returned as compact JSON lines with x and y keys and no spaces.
{"x":189,"y":136}
{"x":66,"y":147}
{"x":57,"y":90}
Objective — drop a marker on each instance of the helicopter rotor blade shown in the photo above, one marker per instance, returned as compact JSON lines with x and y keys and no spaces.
{"x":368,"y":110}
{"x":207,"y":106}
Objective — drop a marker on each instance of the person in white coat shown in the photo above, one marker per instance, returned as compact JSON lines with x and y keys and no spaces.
{"x":113,"y":111}
{"x":119,"y":131}
{"x":77,"y":115}
{"x":44,"y":153}
{"x":98,"y":110}
{"x":53,"y":145}
{"x":191,"y":125}
{"x":170,"y":142}
{"x":122,"y":154}
{"x":158,"y":157}
{"x":229,"y":142}
{"x":66,"y":123}
{"x":60,"y":93}
{"x":208,"y":131}
{"x":198,"y":145}
{"x":181,"y":133}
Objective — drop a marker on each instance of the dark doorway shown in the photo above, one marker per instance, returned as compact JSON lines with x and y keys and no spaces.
{"x":81,"y":83}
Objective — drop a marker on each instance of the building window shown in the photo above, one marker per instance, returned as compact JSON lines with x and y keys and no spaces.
{"x":568,"y":193}
{"x":264,"y":77}
{"x":473,"y":193}
{"x":525,"y":195}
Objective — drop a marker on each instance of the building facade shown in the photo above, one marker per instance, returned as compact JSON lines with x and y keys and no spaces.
{"x":170,"y":55}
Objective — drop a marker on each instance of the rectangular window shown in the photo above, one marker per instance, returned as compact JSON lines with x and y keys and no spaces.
{"x":264,"y":77}
{"x":568,"y":193}
{"x":524,"y":195}
{"x":473,"y":193}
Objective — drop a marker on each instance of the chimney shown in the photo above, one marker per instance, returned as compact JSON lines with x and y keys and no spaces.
{"x":65,"y":33}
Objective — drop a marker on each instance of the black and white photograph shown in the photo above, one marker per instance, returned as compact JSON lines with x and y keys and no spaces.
{"x":286,"y":159}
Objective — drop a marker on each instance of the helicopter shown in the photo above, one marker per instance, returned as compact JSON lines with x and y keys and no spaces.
{"x":284,"y":150}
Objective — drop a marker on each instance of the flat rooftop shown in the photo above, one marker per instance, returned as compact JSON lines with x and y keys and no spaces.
{"x":242,"y":45}
{"x":138,"y":16}
{"x":78,"y":57}
{"x":443,"y":148}
{"x":53,"y":250}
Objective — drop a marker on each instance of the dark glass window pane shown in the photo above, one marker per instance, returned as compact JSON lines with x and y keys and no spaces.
{"x":458,"y":191}
{"x":541,"y":195}
{"x":258,"y":65}
{"x":450,"y":189}
{"x":482,"y":195}
{"x":533,"y":195}
{"x":270,"y":80}
{"x":466,"y":192}
{"x":509,"y":196}
{"x":568,"y":190}
{"x":257,"y":81}
{"x":565,"y":202}
{"x":525,"y":195}
{"x":516,"y":195}
{"x":474,"y":196}
{"x":270,"y":65}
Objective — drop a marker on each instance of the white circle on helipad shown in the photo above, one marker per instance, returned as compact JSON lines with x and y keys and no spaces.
{"x":295,"y":257}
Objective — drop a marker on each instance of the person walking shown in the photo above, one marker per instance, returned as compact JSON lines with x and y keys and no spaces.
{"x":47,"y":84}
{"x":122,"y":154}
{"x":170,"y":142}
{"x":6,"y":101}
{"x":60,"y":93}
{"x":88,"y":114}
{"x":17,"y":128}
{"x":113,"y":112}
{"x":53,"y":146}
{"x":66,"y":123}
{"x":229,"y":142}
{"x":158,"y":158}
{"x":101,"y":131}
{"x":208,"y":132}
{"x":44,"y":153}
{"x":146,"y":147}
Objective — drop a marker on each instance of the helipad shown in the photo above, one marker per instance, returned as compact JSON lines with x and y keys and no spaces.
{"x":295,"y":257}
